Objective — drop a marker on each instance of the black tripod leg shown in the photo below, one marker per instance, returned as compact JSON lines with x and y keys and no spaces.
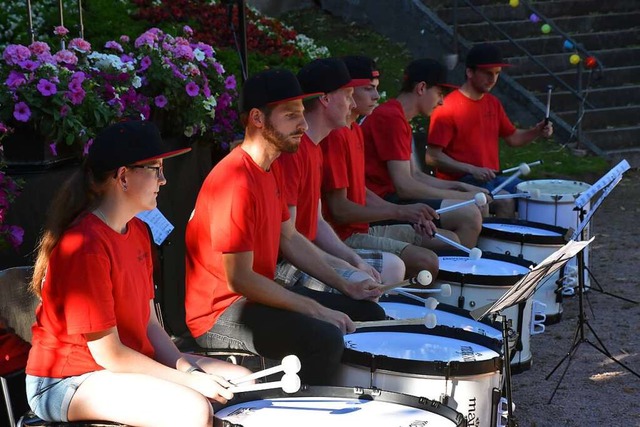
{"x":569,"y":355}
{"x":602,"y":291}
{"x":574,"y":345}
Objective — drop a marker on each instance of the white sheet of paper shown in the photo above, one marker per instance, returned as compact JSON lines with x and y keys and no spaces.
{"x":159,"y":224}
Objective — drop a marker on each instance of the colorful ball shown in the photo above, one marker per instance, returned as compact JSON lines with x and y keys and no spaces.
{"x":568,"y":45}
{"x":534,"y":18}
{"x":514,"y":3}
{"x":590,"y":62}
{"x":546,"y":28}
{"x":574,"y":59}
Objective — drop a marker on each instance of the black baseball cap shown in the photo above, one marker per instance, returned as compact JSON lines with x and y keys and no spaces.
{"x":429,"y":71}
{"x":485,"y":55}
{"x":127,"y":143}
{"x":361,"y":67}
{"x":327,"y":75}
{"x":271,"y":87}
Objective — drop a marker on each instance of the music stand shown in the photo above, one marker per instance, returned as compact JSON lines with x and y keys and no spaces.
{"x":520,"y":292}
{"x":607,"y":184}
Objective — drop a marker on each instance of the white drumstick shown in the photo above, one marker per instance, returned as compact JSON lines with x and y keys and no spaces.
{"x":290,"y":383}
{"x":474,"y":253}
{"x":513,"y":169}
{"x":430,"y":303}
{"x":512,"y":196}
{"x":429,"y":321}
{"x":523,"y":169}
{"x":444,"y":290}
{"x":290,"y":365}
{"x":480,"y":199}
{"x":423,"y":278}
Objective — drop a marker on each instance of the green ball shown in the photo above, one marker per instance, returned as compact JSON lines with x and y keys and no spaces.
{"x":546,"y":28}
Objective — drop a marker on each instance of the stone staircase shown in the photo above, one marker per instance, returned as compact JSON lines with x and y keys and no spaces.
{"x":610,"y":31}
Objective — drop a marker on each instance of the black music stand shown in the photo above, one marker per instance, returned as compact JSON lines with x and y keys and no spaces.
{"x":518,"y":293}
{"x":607,"y":184}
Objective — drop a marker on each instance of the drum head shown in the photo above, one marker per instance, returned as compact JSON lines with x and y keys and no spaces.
{"x":335,"y":407}
{"x":521,"y":231}
{"x":553,"y":190}
{"x":492,"y":269}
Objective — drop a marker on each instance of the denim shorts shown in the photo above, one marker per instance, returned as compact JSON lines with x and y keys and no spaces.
{"x":49,"y":398}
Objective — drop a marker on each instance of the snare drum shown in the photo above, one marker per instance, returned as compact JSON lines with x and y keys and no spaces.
{"x":477,"y":283}
{"x":458,"y":368}
{"x":532,"y":241}
{"x":552,"y":202}
{"x":335,"y":407}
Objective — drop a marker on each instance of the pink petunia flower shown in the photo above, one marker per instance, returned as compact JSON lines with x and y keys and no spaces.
{"x":187,"y":30}
{"x":60,"y":31}
{"x":46,"y":88}
{"x":114,"y":46}
{"x":124,"y":39}
{"x":230,"y":82}
{"x":29,"y":65}
{"x":15,"y":79}
{"x":14,"y":53}
{"x":80,"y":45}
{"x":145,"y":63}
{"x":21,"y":112}
{"x":64,"y":110}
{"x":66,"y":57}
{"x":192,"y":89}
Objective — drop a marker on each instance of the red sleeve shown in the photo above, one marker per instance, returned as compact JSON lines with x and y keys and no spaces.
{"x":391,"y":135}
{"x":292,"y":177}
{"x":334,"y":169}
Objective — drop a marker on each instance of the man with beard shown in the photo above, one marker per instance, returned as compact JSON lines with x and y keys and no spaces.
{"x":303,"y":179}
{"x":239,"y":223}
{"x":463,"y":133}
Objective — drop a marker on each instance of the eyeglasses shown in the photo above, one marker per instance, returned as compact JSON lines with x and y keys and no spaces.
{"x":158,"y":169}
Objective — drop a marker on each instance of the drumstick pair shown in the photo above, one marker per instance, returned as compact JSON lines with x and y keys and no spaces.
{"x":290,"y":381}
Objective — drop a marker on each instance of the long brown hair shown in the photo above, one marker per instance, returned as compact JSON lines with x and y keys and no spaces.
{"x":79,"y":194}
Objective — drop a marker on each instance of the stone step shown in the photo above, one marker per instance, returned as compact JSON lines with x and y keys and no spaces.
{"x":550,"y":9}
{"x":558,"y":62}
{"x":600,"y":98}
{"x":603,"y":118}
{"x":609,"y":78}
{"x":524,"y":28}
{"x":615,"y":138}
{"x":542,"y":45}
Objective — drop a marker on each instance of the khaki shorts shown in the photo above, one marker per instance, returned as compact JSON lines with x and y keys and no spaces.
{"x":388,"y":238}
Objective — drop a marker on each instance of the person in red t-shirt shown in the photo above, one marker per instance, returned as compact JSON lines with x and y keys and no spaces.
{"x":98,"y":350}
{"x":463,"y":133}
{"x":349,"y":206}
{"x":303,"y":173}
{"x":390,"y":173}
{"x":239,"y":222}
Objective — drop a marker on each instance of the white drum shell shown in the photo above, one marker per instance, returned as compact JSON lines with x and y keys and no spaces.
{"x":470,"y":395}
{"x":510,"y":244}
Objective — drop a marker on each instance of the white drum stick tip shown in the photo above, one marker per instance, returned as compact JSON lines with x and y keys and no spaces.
{"x":291,"y":364}
{"x":445,"y":290}
{"x":430,"y":321}
{"x":524,"y":169}
{"x":425,"y":278}
{"x":290,"y":383}
{"x":475,"y":253}
{"x":431,"y":303}
{"x":480,"y":199}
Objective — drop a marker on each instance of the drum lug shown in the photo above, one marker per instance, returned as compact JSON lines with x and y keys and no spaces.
{"x":461,"y":301}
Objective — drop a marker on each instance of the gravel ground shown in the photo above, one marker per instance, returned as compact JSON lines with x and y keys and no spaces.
{"x":595,"y":390}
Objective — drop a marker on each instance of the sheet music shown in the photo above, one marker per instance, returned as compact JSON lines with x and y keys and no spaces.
{"x":614,"y":173}
{"x":159,"y":224}
{"x":526,"y":286}
{"x":576,"y":234}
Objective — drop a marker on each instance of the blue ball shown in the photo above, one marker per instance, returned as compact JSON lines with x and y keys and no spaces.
{"x":568,"y":45}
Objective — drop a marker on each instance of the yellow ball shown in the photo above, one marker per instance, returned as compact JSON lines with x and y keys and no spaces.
{"x":574,"y":59}
{"x":514,"y":3}
{"x":546,"y":28}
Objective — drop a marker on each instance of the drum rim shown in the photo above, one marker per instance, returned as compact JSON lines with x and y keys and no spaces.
{"x":548,"y":197}
{"x":452,"y":309}
{"x":524,"y":238}
{"x":481,"y":279}
{"x":450,"y":369}
{"x":361,"y":393}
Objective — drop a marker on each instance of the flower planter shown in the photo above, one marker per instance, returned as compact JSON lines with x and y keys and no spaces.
{"x":26,"y":151}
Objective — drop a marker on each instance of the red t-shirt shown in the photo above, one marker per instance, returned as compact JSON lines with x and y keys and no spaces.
{"x":387,"y":136}
{"x":302,"y":173}
{"x":239,"y":209}
{"x":343,"y":151}
{"x":13,"y":351}
{"x":96,"y":279}
{"x":468,"y":130}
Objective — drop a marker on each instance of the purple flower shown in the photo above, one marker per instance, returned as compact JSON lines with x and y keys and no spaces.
{"x":15,"y":53}
{"x":75,"y":85}
{"x":124,"y":39}
{"x":76,"y":97}
{"x":80,"y":45}
{"x":66,"y":57}
{"x":87,"y":145}
{"x":15,"y":235}
{"x":192,"y":89}
{"x":64,"y":110}
{"x":187,"y":30}
{"x":53,"y":148}
{"x":60,"y":31}
{"x":28,"y":65}
{"x":113,"y":45}
{"x":206,"y":91}
{"x":15,"y":79}
{"x":46,"y":88}
{"x":21,"y":112}
{"x":39,"y":48}
{"x":160,"y":101}
{"x":219,"y":68}
{"x":230,"y":82}
{"x":145,"y":63}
